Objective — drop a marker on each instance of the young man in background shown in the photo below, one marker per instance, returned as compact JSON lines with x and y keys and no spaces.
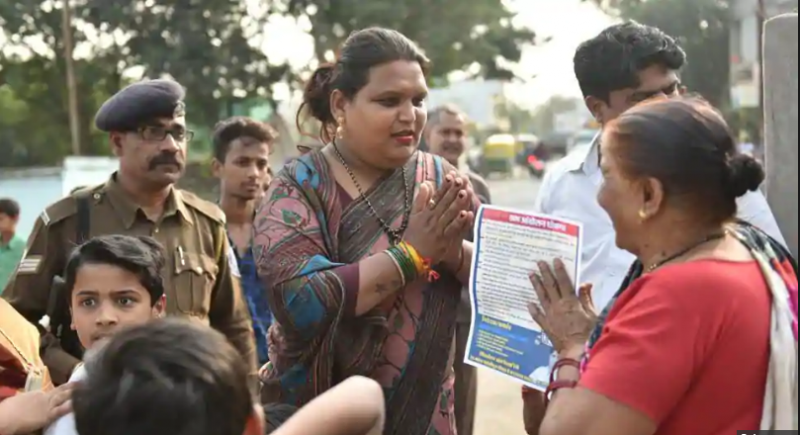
{"x":241,"y":162}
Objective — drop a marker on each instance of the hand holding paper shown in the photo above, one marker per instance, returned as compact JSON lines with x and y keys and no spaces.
{"x":509,"y":244}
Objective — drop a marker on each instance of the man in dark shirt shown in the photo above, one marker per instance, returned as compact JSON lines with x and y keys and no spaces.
{"x":445,"y":135}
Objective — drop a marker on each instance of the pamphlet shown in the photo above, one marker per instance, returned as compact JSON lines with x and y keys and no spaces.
{"x":508,"y":245}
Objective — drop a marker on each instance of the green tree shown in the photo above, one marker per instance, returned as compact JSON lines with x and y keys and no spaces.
{"x":701,"y":27}
{"x":455,"y":34}
{"x":519,"y":119}
{"x":35,"y":121}
{"x":544,"y":117}
{"x":33,"y":82}
{"x":210,"y":46}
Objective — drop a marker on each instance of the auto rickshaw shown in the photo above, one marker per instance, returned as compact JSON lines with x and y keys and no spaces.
{"x":499,"y":153}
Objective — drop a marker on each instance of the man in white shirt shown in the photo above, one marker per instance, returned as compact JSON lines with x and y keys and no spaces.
{"x":623,"y":66}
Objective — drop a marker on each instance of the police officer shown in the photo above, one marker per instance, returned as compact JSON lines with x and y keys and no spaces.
{"x":146,"y":126}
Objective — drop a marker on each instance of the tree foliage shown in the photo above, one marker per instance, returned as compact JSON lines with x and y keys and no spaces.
{"x":455,"y":34}
{"x":702,"y":28}
{"x":212,"y":47}
{"x":34,"y":119}
{"x":209,"y":46}
{"x":544,"y":118}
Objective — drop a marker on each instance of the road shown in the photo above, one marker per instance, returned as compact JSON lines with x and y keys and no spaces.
{"x":499,"y":409}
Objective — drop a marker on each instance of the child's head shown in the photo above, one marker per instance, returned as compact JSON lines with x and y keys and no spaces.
{"x":168,"y":377}
{"x":114,"y":282}
{"x":9,"y":215}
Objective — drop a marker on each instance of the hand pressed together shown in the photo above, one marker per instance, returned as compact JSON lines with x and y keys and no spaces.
{"x":566,"y":317}
{"x":441,"y":219}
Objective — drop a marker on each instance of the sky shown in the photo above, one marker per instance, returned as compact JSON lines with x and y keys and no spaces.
{"x":567,"y":22}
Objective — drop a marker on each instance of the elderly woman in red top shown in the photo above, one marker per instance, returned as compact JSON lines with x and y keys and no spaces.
{"x":702,"y":339}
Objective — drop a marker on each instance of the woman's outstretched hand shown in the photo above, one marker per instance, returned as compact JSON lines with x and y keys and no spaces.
{"x":565,"y":317}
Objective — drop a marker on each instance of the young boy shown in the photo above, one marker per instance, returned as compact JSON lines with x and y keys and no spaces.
{"x":12,"y":246}
{"x":141,"y":383}
{"x":113,"y":282}
{"x":168,"y":377}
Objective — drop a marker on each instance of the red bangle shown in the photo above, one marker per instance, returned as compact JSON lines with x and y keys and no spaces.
{"x":555,"y":386}
{"x":565,"y":362}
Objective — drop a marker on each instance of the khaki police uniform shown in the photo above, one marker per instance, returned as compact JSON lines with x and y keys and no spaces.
{"x":200,"y":280}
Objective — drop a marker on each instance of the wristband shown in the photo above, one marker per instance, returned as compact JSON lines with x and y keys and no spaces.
{"x":564,"y":362}
{"x":555,"y":386}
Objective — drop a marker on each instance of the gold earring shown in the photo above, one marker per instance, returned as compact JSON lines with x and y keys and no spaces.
{"x":340,"y":128}
{"x":642,"y":215}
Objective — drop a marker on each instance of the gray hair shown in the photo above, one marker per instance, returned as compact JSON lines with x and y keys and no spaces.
{"x":435,"y":115}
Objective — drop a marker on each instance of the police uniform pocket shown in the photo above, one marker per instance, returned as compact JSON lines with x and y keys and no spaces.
{"x":195,"y":275}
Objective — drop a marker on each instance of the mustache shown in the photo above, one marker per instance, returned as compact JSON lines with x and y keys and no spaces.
{"x":165,"y":159}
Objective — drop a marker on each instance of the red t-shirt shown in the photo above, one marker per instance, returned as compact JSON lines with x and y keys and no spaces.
{"x":688,"y":346}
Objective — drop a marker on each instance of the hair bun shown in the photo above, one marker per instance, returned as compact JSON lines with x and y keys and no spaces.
{"x":317,"y":93}
{"x":746,"y":174}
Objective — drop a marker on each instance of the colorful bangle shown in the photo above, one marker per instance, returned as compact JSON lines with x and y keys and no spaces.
{"x":557,"y":385}
{"x":422,"y":265}
{"x":412,"y":253}
{"x":399,"y":268}
{"x":408,"y":270}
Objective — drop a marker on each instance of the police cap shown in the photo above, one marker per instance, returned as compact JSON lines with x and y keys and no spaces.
{"x":140,"y":102}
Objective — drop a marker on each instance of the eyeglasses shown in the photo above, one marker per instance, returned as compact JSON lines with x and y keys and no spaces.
{"x":151,"y":133}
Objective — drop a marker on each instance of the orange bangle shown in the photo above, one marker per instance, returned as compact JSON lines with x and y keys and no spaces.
{"x":413,"y":254}
{"x":423,"y":265}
